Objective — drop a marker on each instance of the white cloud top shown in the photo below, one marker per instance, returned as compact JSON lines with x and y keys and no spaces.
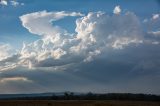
{"x":117,"y":10}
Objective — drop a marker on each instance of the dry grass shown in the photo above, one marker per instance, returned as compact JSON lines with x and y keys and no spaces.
{"x":76,"y":103}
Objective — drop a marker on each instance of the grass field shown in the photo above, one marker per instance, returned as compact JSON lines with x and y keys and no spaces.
{"x":76,"y":103}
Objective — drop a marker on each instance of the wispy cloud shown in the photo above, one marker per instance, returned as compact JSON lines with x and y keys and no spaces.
{"x":14,"y":79}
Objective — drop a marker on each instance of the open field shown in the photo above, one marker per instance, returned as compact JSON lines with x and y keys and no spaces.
{"x":76,"y":103}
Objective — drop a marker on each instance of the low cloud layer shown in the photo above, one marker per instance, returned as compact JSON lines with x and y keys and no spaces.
{"x":105,"y":52}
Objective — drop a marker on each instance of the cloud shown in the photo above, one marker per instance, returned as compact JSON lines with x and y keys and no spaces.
{"x":155,"y":33}
{"x":3,"y":2}
{"x":14,"y":79}
{"x":10,"y":2}
{"x":101,"y":30}
{"x":5,"y":51}
{"x":104,"y":53}
{"x":152,"y":28}
{"x":54,"y":42}
{"x":122,"y":68}
{"x":40,"y":23}
{"x":120,"y":43}
{"x":91,"y":55}
{"x":95,"y":33}
{"x":14,"y":3}
{"x":8,"y":57}
{"x":117,"y":10}
{"x":155,"y":16}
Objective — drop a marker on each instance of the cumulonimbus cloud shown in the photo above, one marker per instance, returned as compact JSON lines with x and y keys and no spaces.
{"x":95,"y":32}
{"x":102,"y":44}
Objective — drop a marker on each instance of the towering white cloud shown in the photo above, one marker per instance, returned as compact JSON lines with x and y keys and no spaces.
{"x":95,"y":33}
{"x":97,"y":29}
{"x":104,"y":48}
{"x":54,"y":42}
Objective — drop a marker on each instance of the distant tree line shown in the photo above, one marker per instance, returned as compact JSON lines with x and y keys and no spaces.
{"x":92,"y":96}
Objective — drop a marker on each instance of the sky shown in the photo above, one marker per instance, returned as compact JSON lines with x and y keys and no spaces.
{"x":101,"y":46}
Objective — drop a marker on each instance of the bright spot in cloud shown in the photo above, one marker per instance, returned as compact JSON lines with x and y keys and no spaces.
{"x":3,"y":2}
{"x":155,"y":16}
{"x":117,"y":10}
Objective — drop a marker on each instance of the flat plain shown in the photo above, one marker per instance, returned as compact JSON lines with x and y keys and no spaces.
{"x":76,"y":103}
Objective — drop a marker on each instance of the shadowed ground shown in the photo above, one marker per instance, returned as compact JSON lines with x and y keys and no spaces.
{"x":76,"y":103}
